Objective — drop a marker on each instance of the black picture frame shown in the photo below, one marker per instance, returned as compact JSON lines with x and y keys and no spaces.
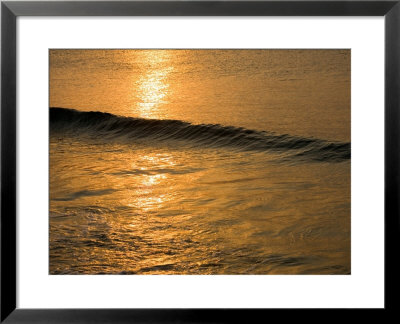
{"x":10,"y":10}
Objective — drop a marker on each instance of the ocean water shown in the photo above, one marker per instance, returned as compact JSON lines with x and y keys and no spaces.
{"x":200,"y":162}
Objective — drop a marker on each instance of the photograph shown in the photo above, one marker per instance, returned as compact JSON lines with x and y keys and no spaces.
{"x":199,"y":161}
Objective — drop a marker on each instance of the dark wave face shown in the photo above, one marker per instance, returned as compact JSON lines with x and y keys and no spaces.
{"x":105,"y":126}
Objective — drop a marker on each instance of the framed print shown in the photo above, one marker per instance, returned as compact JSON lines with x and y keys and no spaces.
{"x":197,"y":161}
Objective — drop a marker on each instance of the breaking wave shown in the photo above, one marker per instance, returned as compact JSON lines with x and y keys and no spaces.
{"x":106,"y":126}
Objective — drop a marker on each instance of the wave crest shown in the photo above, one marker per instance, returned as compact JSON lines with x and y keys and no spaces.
{"x":106,"y":126}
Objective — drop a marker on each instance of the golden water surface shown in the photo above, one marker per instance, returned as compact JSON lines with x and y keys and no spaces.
{"x":200,"y":162}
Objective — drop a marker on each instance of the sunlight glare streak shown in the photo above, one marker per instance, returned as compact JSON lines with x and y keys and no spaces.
{"x":153,"y":86}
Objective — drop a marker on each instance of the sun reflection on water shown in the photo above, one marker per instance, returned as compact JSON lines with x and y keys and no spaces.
{"x":148,"y":195}
{"x":151,"y":180}
{"x":153,"y":85}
